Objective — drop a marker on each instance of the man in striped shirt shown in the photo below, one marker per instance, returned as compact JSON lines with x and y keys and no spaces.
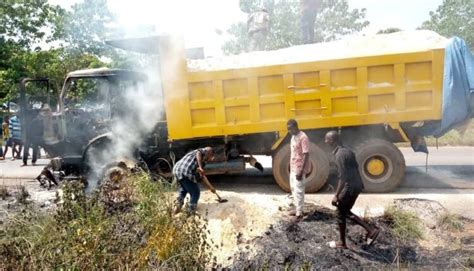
{"x":16,"y":140}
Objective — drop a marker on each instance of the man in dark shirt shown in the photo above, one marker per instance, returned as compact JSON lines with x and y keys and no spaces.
{"x":188,"y":172}
{"x":34,"y":138}
{"x":348,"y":189}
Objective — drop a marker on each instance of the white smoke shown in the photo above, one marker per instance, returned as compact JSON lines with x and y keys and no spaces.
{"x":140,"y":107}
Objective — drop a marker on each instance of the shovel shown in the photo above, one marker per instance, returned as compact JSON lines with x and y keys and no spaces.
{"x":219,"y":199}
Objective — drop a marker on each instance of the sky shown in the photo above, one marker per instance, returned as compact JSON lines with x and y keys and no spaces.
{"x":200,"y":21}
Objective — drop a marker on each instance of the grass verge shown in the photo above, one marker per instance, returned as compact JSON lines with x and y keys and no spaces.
{"x":136,"y":231}
{"x":450,"y":222}
{"x":405,"y":225}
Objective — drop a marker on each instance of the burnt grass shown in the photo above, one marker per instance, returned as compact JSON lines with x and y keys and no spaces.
{"x":286,"y":245}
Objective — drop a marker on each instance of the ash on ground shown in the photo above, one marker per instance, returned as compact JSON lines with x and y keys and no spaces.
{"x":304,"y":245}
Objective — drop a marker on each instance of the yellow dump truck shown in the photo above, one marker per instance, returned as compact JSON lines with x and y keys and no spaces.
{"x":374,"y":90}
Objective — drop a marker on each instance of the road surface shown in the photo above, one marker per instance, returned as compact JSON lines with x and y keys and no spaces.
{"x":449,"y":180}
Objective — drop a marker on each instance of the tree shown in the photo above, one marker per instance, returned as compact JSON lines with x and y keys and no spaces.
{"x":24,"y":22}
{"x":453,"y":18}
{"x":389,"y":30}
{"x":85,"y":28}
{"x":333,"y":21}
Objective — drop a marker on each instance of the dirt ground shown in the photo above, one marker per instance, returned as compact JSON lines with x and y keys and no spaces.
{"x":252,"y":231}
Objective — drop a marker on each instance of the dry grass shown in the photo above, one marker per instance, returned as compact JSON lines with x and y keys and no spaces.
{"x":405,"y":226}
{"x":22,"y":194}
{"x":451,"y":222}
{"x":87,"y":234}
{"x":4,"y":193}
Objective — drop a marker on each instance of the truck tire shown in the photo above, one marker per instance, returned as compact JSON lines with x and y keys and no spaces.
{"x":381,"y":165}
{"x":319,"y":164}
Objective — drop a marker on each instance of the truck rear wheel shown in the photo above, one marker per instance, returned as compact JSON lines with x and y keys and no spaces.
{"x":319,"y":165}
{"x":381,"y":165}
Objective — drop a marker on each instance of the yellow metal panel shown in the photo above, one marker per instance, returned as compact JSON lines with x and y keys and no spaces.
{"x":380,"y":76}
{"x":307,"y":80}
{"x":173,"y":69}
{"x":270,"y":85}
{"x":381,"y":103}
{"x":420,"y":72}
{"x":438,"y":70}
{"x":420,"y":100}
{"x":308,"y":109}
{"x":325,"y":78}
{"x":344,"y":92}
{"x":400,"y":87}
{"x":254,"y":100}
{"x":272,"y":112}
{"x":271,"y":99}
{"x":235,"y":88}
{"x":219,"y":103}
{"x":419,"y":86}
{"x":203,"y":117}
{"x":236,"y":101}
{"x":345,"y":79}
{"x":288,"y":80}
{"x":344,"y":106}
{"x":237,"y":114}
{"x":201,"y":91}
{"x":362,"y":96}
{"x":202,"y":104}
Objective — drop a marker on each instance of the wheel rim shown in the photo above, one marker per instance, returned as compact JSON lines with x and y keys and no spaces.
{"x":377,"y":168}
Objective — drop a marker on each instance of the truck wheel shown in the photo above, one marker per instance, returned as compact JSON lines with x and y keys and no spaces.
{"x":319,"y":165}
{"x":381,"y":165}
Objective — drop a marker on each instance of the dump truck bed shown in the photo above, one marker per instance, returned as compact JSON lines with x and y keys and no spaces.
{"x":390,"y":84}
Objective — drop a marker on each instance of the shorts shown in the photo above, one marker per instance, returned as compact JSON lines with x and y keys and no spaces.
{"x":17,"y":141}
{"x":347,"y":199}
{"x":9,"y":142}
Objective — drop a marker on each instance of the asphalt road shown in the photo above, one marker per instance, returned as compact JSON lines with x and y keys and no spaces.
{"x":448,"y":167}
{"x":449,"y":180}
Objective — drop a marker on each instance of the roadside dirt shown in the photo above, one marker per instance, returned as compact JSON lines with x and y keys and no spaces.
{"x":251,"y":231}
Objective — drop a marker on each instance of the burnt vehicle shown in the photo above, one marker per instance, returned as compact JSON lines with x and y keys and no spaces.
{"x":77,"y":123}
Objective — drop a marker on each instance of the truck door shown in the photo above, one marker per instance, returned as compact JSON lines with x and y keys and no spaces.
{"x":38,"y":96}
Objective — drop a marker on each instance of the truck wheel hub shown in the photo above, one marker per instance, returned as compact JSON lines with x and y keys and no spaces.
{"x":375,"y":166}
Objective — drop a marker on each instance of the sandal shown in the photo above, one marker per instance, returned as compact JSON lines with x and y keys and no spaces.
{"x":371,"y":238}
{"x":334,"y":244}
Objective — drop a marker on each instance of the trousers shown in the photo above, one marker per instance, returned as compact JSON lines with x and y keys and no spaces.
{"x":297,"y":190}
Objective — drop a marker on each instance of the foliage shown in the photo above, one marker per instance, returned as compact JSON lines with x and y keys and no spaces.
{"x":389,"y":30}
{"x":333,"y":21}
{"x":24,"y":22}
{"x":405,"y":225}
{"x":22,"y":194}
{"x":4,"y":193}
{"x":85,"y":28}
{"x":450,"y":222}
{"x":453,"y":18}
{"x":85,"y":234}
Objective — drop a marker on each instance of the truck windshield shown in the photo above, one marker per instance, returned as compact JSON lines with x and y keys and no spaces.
{"x":90,"y":96}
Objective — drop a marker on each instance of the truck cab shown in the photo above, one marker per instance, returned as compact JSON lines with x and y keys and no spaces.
{"x":81,"y":114}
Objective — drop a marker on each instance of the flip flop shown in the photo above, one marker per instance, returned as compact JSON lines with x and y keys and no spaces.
{"x":334,"y":244}
{"x":371,"y":239}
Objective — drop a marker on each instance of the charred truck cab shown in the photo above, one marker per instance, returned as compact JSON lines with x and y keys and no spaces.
{"x":79,"y":119}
